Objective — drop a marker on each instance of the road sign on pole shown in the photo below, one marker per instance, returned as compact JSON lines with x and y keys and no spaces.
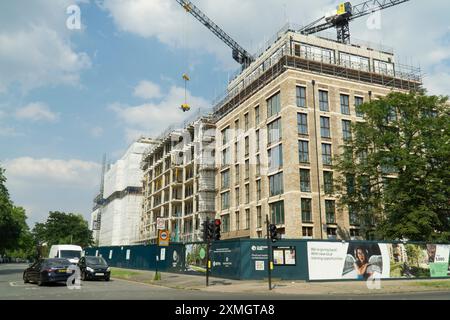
{"x":164,"y":238}
{"x":160,"y":224}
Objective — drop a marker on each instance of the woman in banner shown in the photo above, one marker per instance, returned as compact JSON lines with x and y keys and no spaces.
{"x":362,"y":263}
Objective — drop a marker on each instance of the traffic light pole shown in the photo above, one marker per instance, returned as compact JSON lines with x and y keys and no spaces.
{"x":208,"y":245}
{"x":269,"y":253}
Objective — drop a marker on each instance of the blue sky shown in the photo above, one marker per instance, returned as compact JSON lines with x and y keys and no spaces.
{"x":68,"y":96}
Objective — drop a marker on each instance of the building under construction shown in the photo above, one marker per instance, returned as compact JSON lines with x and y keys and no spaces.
{"x":178,"y":182}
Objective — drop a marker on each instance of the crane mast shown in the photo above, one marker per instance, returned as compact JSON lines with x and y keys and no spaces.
{"x":239,"y":53}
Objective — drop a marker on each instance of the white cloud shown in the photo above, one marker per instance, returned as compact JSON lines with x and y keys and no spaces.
{"x":153,"y":117}
{"x":35,"y":47}
{"x":147,"y":90}
{"x":36,"y":111}
{"x":51,"y":172}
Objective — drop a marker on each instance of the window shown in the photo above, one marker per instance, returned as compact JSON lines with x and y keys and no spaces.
{"x":237,"y":214}
{"x":302,"y":123}
{"x":350,"y":182}
{"x":325,"y":127}
{"x":306,"y":210}
{"x":326,"y":154}
{"x":225,"y":177}
{"x":353,"y":216}
{"x":345,"y":104}
{"x":301,"y":97}
{"x":330,"y":211}
{"x":237,"y":195}
{"x":246,"y":122}
{"x":258,"y":217}
{"x":258,"y":165}
{"x":247,"y":219}
{"x":257,"y":116}
{"x":392,"y":115}
{"x":305,"y":180}
{"x":346,"y":130}
{"x":277,"y":212}
{"x":273,"y":105}
{"x":258,"y":140}
{"x":328,"y":182}
{"x":225,"y":136}
{"x":236,"y":170}
{"x":323,"y":101}
{"x":236,"y":126}
{"x":225,"y":199}
{"x":274,"y":131}
{"x":236,"y":152}
{"x":247,"y":169}
{"x":331,"y":233}
{"x":226,"y":156}
{"x":226,"y":223}
{"x":358,"y":102}
{"x":258,"y":190}
{"x":275,"y":156}
{"x":303,"y":151}
{"x":247,"y":146}
{"x":307,"y":232}
{"x":247,"y":194}
{"x":276,"y":184}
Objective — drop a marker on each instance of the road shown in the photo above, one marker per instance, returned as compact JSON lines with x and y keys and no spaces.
{"x":13,"y":288}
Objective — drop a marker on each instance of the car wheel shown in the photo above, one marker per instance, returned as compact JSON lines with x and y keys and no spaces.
{"x":25,"y":279}
{"x":107,"y":279}
{"x":83,"y":276}
{"x":40,"y":283}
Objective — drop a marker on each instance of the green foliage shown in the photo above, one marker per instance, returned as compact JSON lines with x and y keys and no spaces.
{"x":394,"y":172}
{"x":63,"y":228}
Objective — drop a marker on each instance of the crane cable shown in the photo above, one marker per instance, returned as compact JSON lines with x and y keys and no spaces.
{"x":185,"y":106}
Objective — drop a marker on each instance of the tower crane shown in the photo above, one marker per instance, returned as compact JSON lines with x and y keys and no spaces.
{"x":239,"y":53}
{"x":344,"y":14}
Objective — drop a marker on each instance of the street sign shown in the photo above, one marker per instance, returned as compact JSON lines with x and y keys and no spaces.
{"x":164,"y":238}
{"x":160,"y":223}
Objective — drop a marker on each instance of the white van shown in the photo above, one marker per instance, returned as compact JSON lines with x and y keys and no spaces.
{"x":67,"y":251}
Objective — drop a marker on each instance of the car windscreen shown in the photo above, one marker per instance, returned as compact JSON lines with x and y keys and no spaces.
{"x":70,"y":254}
{"x":55,"y":263}
{"x":96,"y":261}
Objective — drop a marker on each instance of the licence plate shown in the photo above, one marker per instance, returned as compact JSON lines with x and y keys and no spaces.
{"x":62,"y":270}
{"x":99,"y":274}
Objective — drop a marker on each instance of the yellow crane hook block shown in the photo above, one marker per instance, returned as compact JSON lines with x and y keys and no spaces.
{"x":185,"y":107}
{"x":186,"y":77}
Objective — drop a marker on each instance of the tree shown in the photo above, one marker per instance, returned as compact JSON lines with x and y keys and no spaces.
{"x":63,"y":228}
{"x":394,"y":172}
{"x":13,"y":226}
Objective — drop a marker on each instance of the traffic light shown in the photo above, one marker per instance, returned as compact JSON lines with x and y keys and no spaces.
{"x":273,"y":232}
{"x":210,"y":229}
{"x":205,"y":225}
{"x":216,"y":235}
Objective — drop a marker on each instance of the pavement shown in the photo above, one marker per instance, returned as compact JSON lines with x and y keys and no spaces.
{"x":383,"y":287}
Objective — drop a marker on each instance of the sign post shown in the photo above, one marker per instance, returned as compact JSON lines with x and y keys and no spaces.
{"x":163,"y":241}
{"x":269,"y":254}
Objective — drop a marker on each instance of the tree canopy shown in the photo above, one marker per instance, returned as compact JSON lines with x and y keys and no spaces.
{"x":394,"y":172}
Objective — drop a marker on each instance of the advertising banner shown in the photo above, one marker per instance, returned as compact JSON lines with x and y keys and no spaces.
{"x":360,"y":261}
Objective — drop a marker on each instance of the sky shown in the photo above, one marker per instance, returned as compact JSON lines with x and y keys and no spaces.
{"x":71,"y":92}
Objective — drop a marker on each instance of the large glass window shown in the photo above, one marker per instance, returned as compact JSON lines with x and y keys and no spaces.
{"x":274,"y":131}
{"x":247,"y":194}
{"x":306,"y":210}
{"x":258,"y":190}
{"x":328,"y":182}
{"x":247,"y":146}
{"x":277,"y":212}
{"x":257,"y":116}
{"x":226,"y":159}
{"x":247,"y":219}
{"x":273,"y":105}
{"x":226,"y":223}
{"x":330,"y":211}
{"x":237,"y":194}
{"x":305,"y":180}
{"x":325,"y":131}
{"x":358,"y":102}
{"x":275,"y":156}
{"x":225,"y":179}
{"x":302,"y":123}
{"x":276,"y":184}
{"x":247,"y":169}
{"x":345,"y":104}
{"x":301,"y":97}
{"x":326,"y":154}
{"x":323,"y":101}
{"x":346,"y":130}
{"x":303,"y":151}
{"x":225,"y":199}
{"x":258,"y":217}
{"x":225,"y":136}
{"x":246,"y":122}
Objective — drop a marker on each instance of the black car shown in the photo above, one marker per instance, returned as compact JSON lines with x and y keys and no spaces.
{"x":94,"y":268}
{"x":47,"y":270}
